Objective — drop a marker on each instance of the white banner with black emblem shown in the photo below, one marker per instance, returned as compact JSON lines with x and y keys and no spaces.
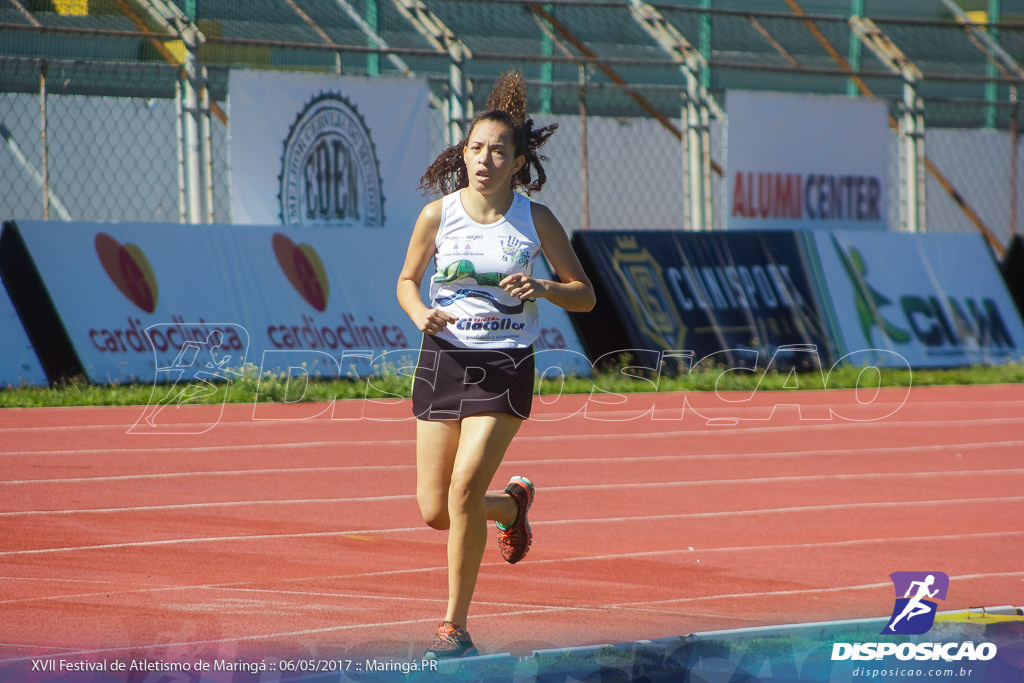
{"x":322,"y":150}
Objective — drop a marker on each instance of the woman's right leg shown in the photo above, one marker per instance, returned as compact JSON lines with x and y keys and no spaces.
{"x":482,"y":446}
{"x":437,"y":443}
{"x":444,"y":447}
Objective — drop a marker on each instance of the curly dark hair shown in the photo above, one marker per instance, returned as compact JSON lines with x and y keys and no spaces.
{"x":505,"y":105}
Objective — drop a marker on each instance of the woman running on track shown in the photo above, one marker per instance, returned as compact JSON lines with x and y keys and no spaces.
{"x":474,"y":380}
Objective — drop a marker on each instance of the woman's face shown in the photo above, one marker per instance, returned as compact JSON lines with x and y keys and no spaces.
{"x":490,"y":157}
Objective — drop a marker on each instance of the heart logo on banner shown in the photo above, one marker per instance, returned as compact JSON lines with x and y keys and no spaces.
{"x":304,"y":269}
{"x":129,"y":269}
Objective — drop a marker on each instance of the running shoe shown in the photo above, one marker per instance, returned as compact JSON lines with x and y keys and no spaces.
{"x":452,"y":641}
{"x":515,"y":540}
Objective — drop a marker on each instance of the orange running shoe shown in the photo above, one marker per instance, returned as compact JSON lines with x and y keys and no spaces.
{"x":452,"y":641}
{"x":515,"y":540}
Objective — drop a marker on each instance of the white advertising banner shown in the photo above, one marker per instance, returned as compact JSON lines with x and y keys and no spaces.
{"x":19,"y":365}
{"x":928,"y":300}
{"x":806,"y":161}
{"x":148,"y":301}
{"x":321,"y":150}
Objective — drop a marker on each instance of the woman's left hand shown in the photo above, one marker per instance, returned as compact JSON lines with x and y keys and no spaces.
{"x":523,"y":287}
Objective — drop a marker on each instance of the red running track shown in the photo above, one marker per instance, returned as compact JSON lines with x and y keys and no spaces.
{"x":285,"y":530}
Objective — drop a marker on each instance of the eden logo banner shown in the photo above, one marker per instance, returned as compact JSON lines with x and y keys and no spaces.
{"x":916,"y":595}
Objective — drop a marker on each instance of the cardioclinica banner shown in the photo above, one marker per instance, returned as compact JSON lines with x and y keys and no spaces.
{"x":138,"y":302}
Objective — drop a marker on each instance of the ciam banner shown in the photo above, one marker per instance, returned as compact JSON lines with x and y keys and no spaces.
{"x":931,"y":300}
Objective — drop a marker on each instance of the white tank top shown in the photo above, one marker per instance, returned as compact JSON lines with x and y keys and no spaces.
{"x":471,"y":259}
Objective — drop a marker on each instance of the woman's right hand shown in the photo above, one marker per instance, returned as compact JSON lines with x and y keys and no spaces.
{"x":433,"y":320}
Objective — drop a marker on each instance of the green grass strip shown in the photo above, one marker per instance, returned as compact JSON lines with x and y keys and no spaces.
{"x":251,"y":386}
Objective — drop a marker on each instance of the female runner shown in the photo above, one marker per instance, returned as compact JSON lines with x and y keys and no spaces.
{"x":474,"y":380}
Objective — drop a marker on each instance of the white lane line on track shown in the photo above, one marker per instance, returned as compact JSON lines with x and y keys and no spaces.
{"x":707,"y":552}
{"x":804,"y":478}
{"x":207,"y":506}
{"x":817,"y":452}
{"x":668,"y":434}
{"x":702,"y":551}
{"x":210,"y":473}
{"x":598,"y":408}
{"x":772,"y":511}
{"x":604,"y":520}
{"x":800,"y":591}
{"x":263,"y":446}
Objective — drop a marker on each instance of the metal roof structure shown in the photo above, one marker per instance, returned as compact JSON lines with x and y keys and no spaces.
{"x":762,"y":44}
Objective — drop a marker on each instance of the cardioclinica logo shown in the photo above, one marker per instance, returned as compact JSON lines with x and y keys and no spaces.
{"x":128,"y":268}
{"x":304,"y":270}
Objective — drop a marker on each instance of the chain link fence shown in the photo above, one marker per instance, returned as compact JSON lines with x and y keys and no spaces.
{"x":71,"y":154}
{"x":92,"y":105}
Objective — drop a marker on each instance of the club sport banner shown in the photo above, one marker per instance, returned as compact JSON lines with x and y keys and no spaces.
{"x":806,"y":161}
{"x":143,"y":302}
{"x":731,"y":295}
{"x":935,"y":299}
{"x":333,"y":151}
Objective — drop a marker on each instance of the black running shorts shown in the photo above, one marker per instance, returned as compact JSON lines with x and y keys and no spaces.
{"x":453,"y":382}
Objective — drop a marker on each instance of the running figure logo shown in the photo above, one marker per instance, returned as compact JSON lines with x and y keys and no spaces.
{"x":194,"y":363}
{"x":914,"y":612}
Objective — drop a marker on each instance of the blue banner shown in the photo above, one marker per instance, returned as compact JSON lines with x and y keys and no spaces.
{"x":741,"y":298}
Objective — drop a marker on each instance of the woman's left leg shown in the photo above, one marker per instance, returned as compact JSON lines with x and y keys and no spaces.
{"x":482,"y":445}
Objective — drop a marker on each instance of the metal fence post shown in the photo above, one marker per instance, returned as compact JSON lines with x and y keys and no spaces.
{"x":584,"y":152}
{"x":193,"y":149}
{"x":373,"y":21}
{"x":1014,"y":156}
{"x":994,"y":16}
{"x":44,"y":167}
{"x":912,"y":142}
{"x":179,"y":131}
{"x":204,"y":113}
{"x":458,"y":100}
{"x":547,"y":70}
{"x":856,"y":10}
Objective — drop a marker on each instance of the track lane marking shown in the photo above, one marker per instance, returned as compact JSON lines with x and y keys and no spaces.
{"x":605,"y":520}
{"x":791,"y":479}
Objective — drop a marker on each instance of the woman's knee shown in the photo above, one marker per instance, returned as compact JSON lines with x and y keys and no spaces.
{"x":465,"y":493}
{"x":434,"y":510}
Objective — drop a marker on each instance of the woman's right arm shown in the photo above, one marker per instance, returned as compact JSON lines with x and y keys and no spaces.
{"x":420,"y":253}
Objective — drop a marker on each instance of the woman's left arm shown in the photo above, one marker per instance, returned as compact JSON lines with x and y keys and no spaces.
{"x":574,"y":292}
